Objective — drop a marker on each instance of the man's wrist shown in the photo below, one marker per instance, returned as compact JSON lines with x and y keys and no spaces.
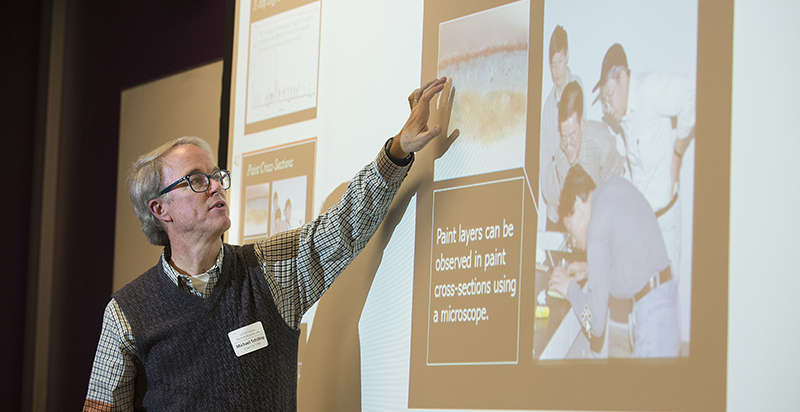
{"x":400,"y":161}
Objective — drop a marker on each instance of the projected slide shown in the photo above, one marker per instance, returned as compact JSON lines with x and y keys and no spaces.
{"x":256,"y":210}
{"x":277,"y":187}
{"x":284,"y":58}
{"x":494,"y":283}
{"x":487,"y":54}
{"x":493,"y":249}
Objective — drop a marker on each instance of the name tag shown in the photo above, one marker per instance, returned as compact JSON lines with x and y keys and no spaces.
{"x":248,"y":339}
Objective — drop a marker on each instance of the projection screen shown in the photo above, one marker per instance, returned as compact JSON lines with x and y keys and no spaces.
{"x":449,"y":307}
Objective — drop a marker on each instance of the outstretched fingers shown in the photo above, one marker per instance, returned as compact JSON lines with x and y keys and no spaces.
{"x":432,"y":88}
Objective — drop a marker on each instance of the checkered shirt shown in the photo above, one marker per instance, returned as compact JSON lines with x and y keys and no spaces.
{"x":299,"y":265}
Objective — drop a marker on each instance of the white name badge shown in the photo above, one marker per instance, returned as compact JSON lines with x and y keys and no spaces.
{"x":248,"y":339}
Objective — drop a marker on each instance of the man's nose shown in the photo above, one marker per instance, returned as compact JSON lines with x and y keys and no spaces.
{"x":214,"y":186}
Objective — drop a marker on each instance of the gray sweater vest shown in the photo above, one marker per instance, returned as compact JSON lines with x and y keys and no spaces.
{"x":186,"y":361}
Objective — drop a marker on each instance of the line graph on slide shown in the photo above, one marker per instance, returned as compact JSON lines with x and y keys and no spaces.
{"x":284,"y":61}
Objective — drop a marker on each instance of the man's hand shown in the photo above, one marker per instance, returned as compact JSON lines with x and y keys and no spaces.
{"x":579,"y":271}
{"x":416,"y":134}
{"x":559,"y":280}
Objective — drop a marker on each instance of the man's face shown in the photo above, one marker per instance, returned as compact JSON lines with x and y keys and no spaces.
{"x":577,"y":224}
{"x":193,"y":216}
{"x":571,"y":137}
{"x":614,"y":95}
{"x":558,"y":69}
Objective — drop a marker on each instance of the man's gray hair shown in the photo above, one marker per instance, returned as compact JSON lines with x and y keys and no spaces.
{"x":144,"y":185}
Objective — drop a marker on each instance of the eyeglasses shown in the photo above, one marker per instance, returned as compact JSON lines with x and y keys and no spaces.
{"x":568,"y":139}
{"x":200,"y":182}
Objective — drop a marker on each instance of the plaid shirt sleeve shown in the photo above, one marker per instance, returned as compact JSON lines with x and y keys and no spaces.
{"x":301,"y":264}
{"x":112,"y":381}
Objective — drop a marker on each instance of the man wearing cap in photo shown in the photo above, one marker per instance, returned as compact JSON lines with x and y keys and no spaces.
{"x":655,"y":115}
{"x":551,"y":138}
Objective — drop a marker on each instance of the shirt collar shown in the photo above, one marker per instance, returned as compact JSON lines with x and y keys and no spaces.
{"x":184,"y":281}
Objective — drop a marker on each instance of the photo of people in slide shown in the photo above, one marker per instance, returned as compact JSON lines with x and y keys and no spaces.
{"x":289,"y":204}
{"x":618,"y":103}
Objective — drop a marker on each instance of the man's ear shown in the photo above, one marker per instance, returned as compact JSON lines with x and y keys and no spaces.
{"x":158,"y":210}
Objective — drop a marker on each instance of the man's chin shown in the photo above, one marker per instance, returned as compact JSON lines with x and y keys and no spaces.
{"x":225,"y":225}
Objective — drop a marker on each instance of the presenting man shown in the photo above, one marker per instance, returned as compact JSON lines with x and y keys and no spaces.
{"x":585,"y":142}
{"x":214,"y":326}
{"x":550,"y":139}
{"x":626,"y":259}
{"x":655,"y":114}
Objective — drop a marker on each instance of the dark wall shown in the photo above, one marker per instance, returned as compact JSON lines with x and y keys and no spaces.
{"x":109,"y":46}
{"x":19,"y":47}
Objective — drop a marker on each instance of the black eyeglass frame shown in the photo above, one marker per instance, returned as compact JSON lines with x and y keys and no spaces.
{"x":222,"y":176}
